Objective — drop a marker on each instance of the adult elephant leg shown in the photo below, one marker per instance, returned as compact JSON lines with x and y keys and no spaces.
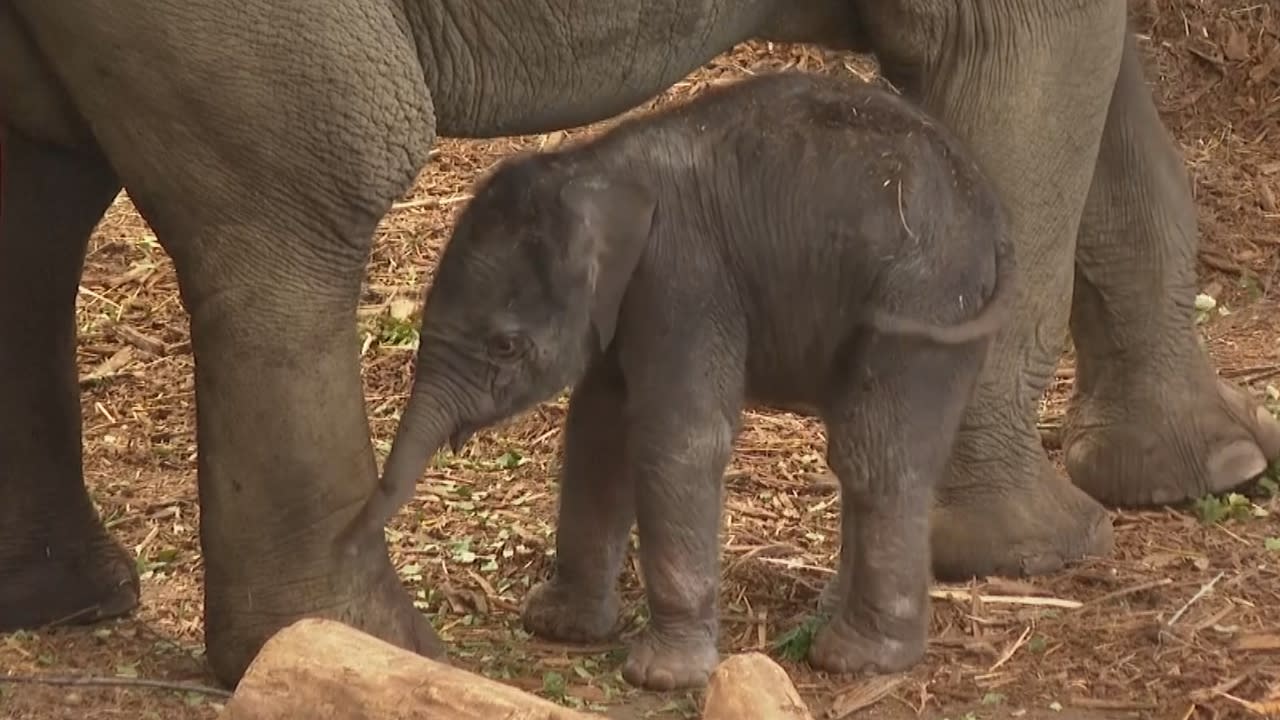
{"x":285,"y":459}
{"x":1149,"y":421}
{"x":263,"y":159}
{"x":57,"y":562}
{"x":1026,"y":86}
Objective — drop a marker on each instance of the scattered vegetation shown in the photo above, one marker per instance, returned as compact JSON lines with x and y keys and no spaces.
{"x":479,"y":531}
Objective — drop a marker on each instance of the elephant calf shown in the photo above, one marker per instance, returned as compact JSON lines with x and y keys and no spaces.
{"x":792,"y":241}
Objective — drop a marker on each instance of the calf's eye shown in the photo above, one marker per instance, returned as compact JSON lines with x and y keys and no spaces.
{"x":505,"y":346}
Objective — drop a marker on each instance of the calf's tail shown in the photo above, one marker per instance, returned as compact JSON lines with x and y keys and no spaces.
{"x":989,"y":320}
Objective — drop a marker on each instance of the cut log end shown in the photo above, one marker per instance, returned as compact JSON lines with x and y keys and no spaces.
{"x":750,"y":686}
{"x":325,"y":670}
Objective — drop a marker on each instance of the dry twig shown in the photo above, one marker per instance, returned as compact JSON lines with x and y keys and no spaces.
{"x":1204,"y":590}
{"x":119,"y":682}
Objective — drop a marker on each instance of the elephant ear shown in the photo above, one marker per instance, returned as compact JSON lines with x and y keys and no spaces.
{"x":611,"y":220}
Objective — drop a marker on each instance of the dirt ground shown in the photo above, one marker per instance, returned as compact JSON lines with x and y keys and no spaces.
{"x":1182,"y":621}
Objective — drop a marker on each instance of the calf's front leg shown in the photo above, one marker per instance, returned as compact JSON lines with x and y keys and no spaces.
{"x":677,"y":450}
{"x":597,"y":507}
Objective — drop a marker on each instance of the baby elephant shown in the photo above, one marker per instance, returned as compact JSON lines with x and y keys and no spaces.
{"x":790,"y":241}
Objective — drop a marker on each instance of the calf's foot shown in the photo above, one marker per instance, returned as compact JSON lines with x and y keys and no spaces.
{"x":1157,"y":440}
{"x":557,"y":611}
{"x":839,"y":647}
{"x":666,"y":661}
{"x":1012,"y":515}
{"x":74,"y":576}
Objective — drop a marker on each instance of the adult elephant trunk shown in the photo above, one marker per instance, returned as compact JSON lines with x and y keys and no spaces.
{"x":430,"y":419}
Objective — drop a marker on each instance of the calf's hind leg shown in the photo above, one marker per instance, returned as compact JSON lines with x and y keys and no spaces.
{"x":57,"y":562}
{"x":890,"y":436}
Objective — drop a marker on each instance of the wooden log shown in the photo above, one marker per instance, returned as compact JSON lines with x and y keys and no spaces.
{"x":325,"y":670}
{"x":750,"y":686}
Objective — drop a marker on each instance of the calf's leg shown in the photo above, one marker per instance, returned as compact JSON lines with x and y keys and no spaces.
{"x":597,"y":508}
{"x":890,"y":433}
{"x":682,"y":416}
{"x":57,"y":562}
{"x":1149,"y":422}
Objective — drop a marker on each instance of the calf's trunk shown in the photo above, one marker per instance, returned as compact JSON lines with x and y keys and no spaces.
{"x":428,"y":421}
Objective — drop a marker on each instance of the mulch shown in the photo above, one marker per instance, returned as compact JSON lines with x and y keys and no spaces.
{"x":1183,"y":621}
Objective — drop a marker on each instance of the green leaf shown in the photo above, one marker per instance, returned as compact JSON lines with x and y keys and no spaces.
{"x":794,"y":644}
{"x":1212,"y":510}
{"x":510,"y":460}
{"x":553,"y":684}
{"x":1268,"y":482}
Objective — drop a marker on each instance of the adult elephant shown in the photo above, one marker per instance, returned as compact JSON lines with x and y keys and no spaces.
{"x":263,"y":141}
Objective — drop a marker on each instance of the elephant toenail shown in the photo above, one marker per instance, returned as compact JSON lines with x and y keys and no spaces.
{"x":1235,"y":463}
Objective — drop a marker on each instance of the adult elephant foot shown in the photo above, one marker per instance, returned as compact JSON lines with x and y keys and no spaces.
{"x":1149,"y":423}
{"x":1004,"y":509}
{"x":1168,"y":438}
{"x":57,"y":575}
{"x":1013,"y":516}
{"x":361,"y":591}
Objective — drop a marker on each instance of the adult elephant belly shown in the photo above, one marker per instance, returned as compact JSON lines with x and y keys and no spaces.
{"x":33,"y":101}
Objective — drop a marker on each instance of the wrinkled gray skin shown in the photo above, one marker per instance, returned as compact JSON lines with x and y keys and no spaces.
{"x":790,"y":240}
{"x":264,"y":143}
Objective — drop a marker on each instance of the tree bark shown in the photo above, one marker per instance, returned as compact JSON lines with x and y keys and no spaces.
{"x":750,"y":686}
{"x":325,"y":670}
